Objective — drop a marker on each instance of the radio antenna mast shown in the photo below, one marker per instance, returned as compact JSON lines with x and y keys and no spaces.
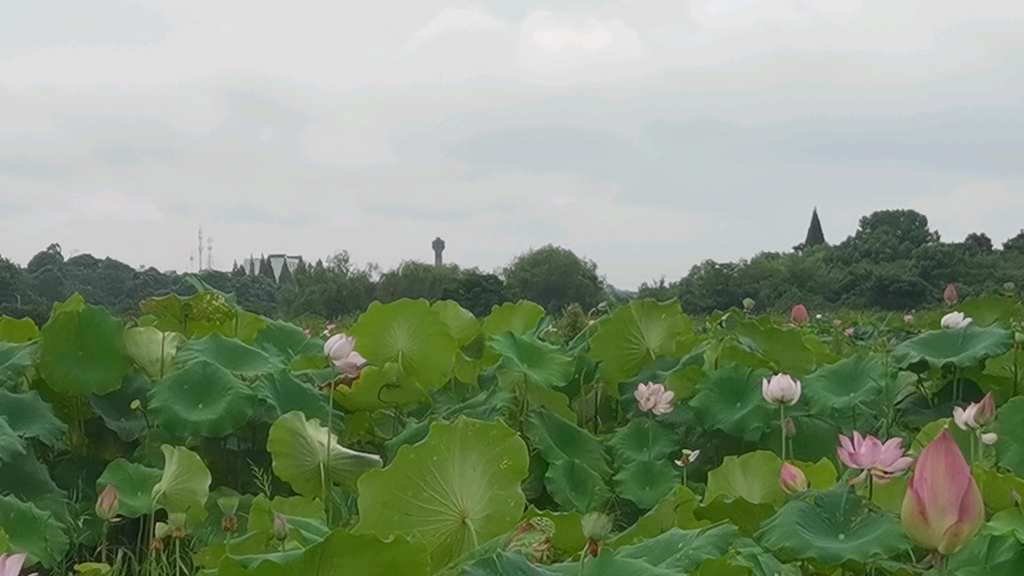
{"x":200,"y":249}
{"x":209,"y":253}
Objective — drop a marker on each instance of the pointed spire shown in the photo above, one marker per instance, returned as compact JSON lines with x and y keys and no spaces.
{"x":815,"y":236}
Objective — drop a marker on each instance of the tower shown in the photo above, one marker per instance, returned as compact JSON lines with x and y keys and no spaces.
{"x":438,"y":246}
{"x":200,"y":249}
{"x":815,"y":236}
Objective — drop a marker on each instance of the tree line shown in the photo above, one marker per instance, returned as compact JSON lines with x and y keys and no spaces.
{"x":893,"y":262}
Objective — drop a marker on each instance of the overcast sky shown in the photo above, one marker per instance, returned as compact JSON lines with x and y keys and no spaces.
{"x":646,"y":135}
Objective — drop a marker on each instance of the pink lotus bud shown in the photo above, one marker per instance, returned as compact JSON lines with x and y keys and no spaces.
{"x":781,"y":390}
{"x":341,"y":349}
{"x":985,"y":413}
{"x":792,"y":479}
{"x":942,"y":509}
{"x":10,"y":564}
{"x":107,"y":506}
{"x":799,"y":315}
{"x":949,"y":295}
{"x":280,"y":527}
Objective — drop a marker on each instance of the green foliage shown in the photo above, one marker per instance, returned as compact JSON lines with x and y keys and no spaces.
{"x":554,"y":278}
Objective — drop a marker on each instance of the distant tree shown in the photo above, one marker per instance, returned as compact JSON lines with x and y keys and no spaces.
{"x":978,"y":242}
{"x":265,"y":269}
{"x":554,"y":277}
{"x":1016,"y":243}
{"x":418,"y":280}
{"x":52,"y":256}
{"x":479,"y":292}
{"x":887,"y":236}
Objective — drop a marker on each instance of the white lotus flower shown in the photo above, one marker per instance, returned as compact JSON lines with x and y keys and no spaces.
{"x":781,"y":390}
{"x":955,"y":321}
{"x":341,"y":349}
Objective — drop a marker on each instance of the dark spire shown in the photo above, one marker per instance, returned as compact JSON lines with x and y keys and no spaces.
{"x":815,"y":237}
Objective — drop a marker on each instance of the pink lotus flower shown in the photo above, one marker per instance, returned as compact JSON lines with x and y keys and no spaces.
{"x":651,"y":397}
{"x":949,"y":295}
{"x":908,"y":318}
{"x":792,"y":479}
{"x":107,"y":505}
{"x":10,"y":564}
{"x":781,"y":390}
{"x":867,"y":453}
{"x":341,"y":349}
{"x":799,"y":315}
{"x":977,"y":414}
{"x":942,"y":509}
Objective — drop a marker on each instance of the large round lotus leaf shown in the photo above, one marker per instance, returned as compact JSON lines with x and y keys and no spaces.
{"x":83,"y":352}
{"x":578,"y":472}
{"x":11,"y":445}
{"x":463,"y":325}
{"x":730,"y":400}
{"x":134,"y":484}
{"x":744,"y":490}
{"x":30,"y":417}
{"x":184,"y":484}
{"x":33,"y":531}
{"x":281,"y":392}
{"x":284,"y":341}
{"x":643,"y":454}
{"x":1001,"y":376}
{"x":965,"y":348}
{"x":997,"y":489}
{"x":848,"y":385}
{"x":519,"y":318}
{"x":526,"y":360}
{"x":203,"y":399}
{"x":455,"y":490}
{"x":232,"y":355}
{"x":411,"y":334}
{"x":987,"y":555}
{"x":116,"y":407}
{"x":16,"y":359}
{"x":680,"y":375}
{"x":379,"y":388}
{"x":152,"y":349}
{"x":635,"y":335}
{"x":17,"y":331}
{"x":674,"y":511}
{"x":786,"y":349}
{"x":988,"y":310}
{"x":833,"y":527}
{"x":1010,"y":448}
{"x":306,"y":456}
{"x":25,"y":477}
{"x":206,"y":313}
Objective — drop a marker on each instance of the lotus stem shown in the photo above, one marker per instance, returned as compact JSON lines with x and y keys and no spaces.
{"x":782,"y":429}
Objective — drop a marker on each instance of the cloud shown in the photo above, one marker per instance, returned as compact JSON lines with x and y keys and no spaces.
{"x":453,"y":20}
{"x":550,"y":42}
{"x":115,"y":205}
{"x":250,"y":215}
{"x":729,"y":15}
{"x":973,"y":207}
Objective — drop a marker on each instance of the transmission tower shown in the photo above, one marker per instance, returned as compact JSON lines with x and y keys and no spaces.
{"x":209,"y":253}
{"x":200,"y":249}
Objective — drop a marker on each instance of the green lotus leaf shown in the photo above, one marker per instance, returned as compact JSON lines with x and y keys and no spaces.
{"x":643,"y":454}
{"x":202,"y":399}
{"x":379,"y":388}
{"x":991,"y":309}
{"x":674,"y":511}
{"x":26,"y":478}
{"x":578,"y":472}
{"x":17,"y":331}
{"x":116,"y":407}
{"x":455,"y":490}
{"x":284,"y":342}
{"x":11,"y":445}
{"x":152,"y":349}
{"x":997,"y":489}
{"x":83,"y":352}
{"x":16,"y":359}
{"x":30,"y":417}
{"x":785,"y":349}
{"x":821,"y":475}
{"x":1010,"y":448}
{"x":463,"y":325}
{"x":33,"y":531}
{"x":528,"y":361}
{"x":518,"y":318}
{"x":1001,"y":376}
{"x":987,"y":555}
{"x":1008,"y":522}
{"x":744,"y":490}
{"x":635,"y":335}
{"x":205,"y":313}
{"x":568,"y":538}
{"x":184,"y":484}
{"x":134,"y":484}
{"x":280,"y":392}
{"x":305,"y":456}
{"x":680,"y":375}
{"x":835,"y":528}
{"x":411,"y":334}
{"x":852,"y":384}
{"x":968,"y":347}
{"x":730,"y":399}
{"x":232,"y":355}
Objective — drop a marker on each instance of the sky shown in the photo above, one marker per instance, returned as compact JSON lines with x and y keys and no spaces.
{"x":646,"y":136}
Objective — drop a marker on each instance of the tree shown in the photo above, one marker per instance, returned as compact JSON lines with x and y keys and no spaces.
{"x":418,"y":280}
{"x":1016,"y":243}
{"x":887,"y":236}
{"x":978,"y":242}
{"x":50,"y":257}
{"x":554,"y":277}
{"x":479,"y":292}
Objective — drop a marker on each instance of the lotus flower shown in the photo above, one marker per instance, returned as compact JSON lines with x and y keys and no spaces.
{"x":942,"y":509}
{"x":848,"y":332}
{"x":10,"y":564}
{"x":651,"y":397}
{"x":977,"y":414}
{"x":341,"y":349}
{"x":799,"y":315}
{"x":908,"y":318}
{"x":792,"y":479}
{"x":280,"y":527}
{"x":781,"y":390}
{"x":688,"y":457}
{"x":955,"y":321}
{"x":837,"y":322}
{"x":867,"y":453}
{"x":949,"y":295}
{"x":989,"y":439}
{"x":107,"y":505}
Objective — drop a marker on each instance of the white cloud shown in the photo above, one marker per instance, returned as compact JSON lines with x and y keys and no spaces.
{"x":742,"y":14}
{"x":551,"y":42}
{"x":970,"y":208}
{"x":115,"y":205}
{"x":453,"y":20}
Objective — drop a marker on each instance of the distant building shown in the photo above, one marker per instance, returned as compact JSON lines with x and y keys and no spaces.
{"x":278,"y":263}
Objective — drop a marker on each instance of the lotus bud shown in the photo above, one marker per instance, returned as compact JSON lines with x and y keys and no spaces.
{"x":989,"y":438}
{"x":228,"y":505}
{"x":136,"y":404}
{"x":341,"y":349}
{"x":781,"y":390}
{"x":748,"y":304}
{"x":596,"y":526}
{"x":107,"y":505}
{"x":799,"y":315}
{"x":792,"y":479}
{"x":908,"y":318}
{"x":985,"y":413}
{"x":280,"y":527}
{"x":942,"y":509}
{"x":949,"y":295}
{"x":789,"y":428}
{"x":1009,"y":287}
